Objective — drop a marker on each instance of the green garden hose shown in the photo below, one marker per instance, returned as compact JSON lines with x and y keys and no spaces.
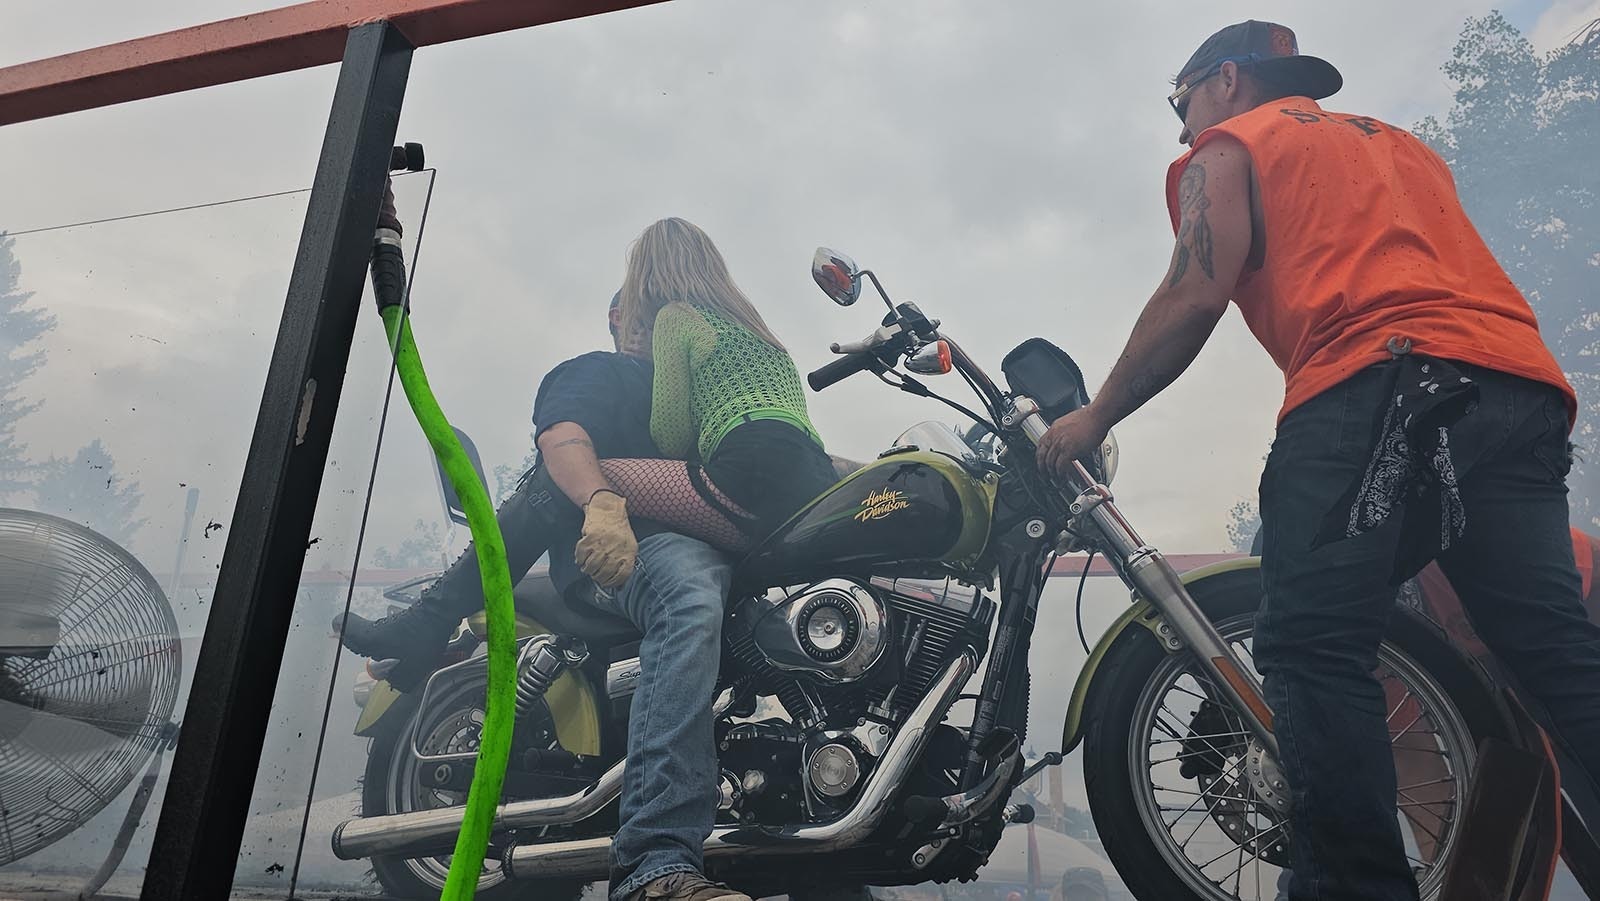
{"x":494,"y":748}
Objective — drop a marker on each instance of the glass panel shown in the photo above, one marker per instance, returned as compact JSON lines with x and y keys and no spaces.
{"x":291,"y":772}
{"x":932,"y":150}
{"x":135,"y":353}
{"x":962,"y":175}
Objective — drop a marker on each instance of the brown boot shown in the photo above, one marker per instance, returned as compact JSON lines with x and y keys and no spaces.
{"x":685,"y":887}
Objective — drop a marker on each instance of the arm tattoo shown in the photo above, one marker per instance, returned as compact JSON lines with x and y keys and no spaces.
{"x":583,"y":442}
{"x":1195,"y":236}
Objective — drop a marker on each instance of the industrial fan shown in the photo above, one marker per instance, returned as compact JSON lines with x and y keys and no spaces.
{"x":89,"y":669}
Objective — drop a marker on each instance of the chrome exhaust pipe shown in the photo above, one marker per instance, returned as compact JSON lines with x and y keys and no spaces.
{"x":425,"y":833}
{"x":591,"y":857}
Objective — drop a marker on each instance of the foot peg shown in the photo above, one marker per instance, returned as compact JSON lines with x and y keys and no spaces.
{"x":954,"y":810}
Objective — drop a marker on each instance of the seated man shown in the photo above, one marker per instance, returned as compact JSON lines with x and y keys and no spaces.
{"x":537,"y":517}
{"x":599,"y":403}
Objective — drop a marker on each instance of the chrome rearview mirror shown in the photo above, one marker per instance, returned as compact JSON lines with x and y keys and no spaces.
{"x":837,"y":275}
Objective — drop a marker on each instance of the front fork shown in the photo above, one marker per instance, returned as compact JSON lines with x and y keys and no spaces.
{"x":1148,"y":573}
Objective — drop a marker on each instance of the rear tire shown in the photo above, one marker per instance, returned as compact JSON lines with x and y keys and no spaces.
{"x":383,"y":792}
{"x":1121,"y":805}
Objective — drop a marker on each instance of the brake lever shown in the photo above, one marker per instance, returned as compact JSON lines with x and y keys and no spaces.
{"x":877,"y":339}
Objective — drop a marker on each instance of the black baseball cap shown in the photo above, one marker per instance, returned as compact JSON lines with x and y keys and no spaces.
{"x":1273,"y":52}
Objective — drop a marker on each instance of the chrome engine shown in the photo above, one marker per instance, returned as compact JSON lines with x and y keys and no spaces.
{"x":833,"y":630}
{"x":846,"y":659}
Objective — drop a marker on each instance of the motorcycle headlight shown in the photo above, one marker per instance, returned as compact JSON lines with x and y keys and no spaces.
{"x":1108,"y":457}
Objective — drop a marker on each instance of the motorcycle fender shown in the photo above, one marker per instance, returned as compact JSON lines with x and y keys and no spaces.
{"x":571,"y":699}
{"x":378,"y":703}
{"x":1142,"y":614}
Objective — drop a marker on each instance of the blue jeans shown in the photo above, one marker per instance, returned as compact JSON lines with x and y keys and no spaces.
{"x":1325,"y":611}
{"x":669,"y":791}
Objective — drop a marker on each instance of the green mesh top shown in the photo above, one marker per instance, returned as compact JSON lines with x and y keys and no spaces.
{"x":712,"y":374}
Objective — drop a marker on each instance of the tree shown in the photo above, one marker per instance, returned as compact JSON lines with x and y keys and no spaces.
{"x":20,"y":327}
{"x":423,"y":550}
{"x":506,"y":476}
{"x":1520,"y":140}
{"x":1244,"y":521}
{"x":86,"y":489}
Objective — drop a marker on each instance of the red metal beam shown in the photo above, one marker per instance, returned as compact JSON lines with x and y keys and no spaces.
{"x":265,"y":43}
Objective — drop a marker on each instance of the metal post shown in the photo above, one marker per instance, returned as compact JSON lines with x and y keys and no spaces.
{"x":213,"y":771}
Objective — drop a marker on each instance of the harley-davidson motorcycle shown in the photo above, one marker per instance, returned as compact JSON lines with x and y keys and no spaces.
{"x":873,"y":695}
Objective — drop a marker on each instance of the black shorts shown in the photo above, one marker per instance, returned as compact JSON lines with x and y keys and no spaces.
{"x":770,"y":469}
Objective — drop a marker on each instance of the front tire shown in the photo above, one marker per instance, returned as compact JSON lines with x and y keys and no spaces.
{"x":390,"y":786}
{"x":1148,"y":756}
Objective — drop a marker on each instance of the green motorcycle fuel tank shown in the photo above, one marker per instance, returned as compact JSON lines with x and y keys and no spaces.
{"x":911,"y":512}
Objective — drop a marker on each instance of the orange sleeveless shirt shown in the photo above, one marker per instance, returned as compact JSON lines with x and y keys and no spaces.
{"x":1366,"y":240}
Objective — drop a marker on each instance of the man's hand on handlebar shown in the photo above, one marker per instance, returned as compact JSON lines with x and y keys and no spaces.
{"x":1075,"y":436}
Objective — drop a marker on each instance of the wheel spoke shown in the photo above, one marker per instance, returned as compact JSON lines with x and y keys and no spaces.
{"x":1238,"y":872}
{"x":1181,"y":699}
{"x":1397,"y":736}
{"x":1397,"y":707}
{"x":1179,"y":791}
{"x":1161,"y":724}
{"x":1431,"y":834}
{"x":1226,"y":853}
{"x":1193,"y":694}
{"x":1187,"y":810}
{"x":1165,"y":741}
{"x":1186,"y":755}
{"x":1221,"y":796}
{"x":1256,"y":856}
{"x":1439,"y":781}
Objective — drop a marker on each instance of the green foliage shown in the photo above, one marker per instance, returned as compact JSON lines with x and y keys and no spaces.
{"x":86,"y":489}
{"x":423,"y":550}
{"x":1244,"y":521}
{"x":506,"y":476}
{"x":1521,"y":140}
{"x":20,"y":327}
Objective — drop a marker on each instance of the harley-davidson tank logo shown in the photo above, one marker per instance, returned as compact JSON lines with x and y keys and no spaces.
{"x":880,"y":504}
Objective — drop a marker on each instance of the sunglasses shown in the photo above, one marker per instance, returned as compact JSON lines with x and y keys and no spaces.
{"x":1179,"y":99}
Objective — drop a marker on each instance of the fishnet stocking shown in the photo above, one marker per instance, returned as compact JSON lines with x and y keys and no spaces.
{"x":663,"y":490}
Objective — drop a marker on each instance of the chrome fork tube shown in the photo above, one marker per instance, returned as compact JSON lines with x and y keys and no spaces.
{"x":1148,"y":573}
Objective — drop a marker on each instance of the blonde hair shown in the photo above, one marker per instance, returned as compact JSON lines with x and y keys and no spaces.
{"x":673,"y":261}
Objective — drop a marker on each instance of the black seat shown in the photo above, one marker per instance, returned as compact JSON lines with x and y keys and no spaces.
{"x":536,"y":596}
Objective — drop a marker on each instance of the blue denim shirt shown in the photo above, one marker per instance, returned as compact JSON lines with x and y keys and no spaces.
{"x":608,"y":394}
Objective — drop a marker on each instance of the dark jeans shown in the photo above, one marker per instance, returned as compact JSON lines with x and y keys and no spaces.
{"x":1325,"y":611}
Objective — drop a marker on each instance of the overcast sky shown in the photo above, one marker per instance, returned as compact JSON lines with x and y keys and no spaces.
{"x":999,"y":163}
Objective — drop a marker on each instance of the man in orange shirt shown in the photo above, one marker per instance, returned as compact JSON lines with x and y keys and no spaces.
{"x":1423,"y":419}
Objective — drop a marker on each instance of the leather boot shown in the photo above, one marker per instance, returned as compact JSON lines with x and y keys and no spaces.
{"x":528,"y":519}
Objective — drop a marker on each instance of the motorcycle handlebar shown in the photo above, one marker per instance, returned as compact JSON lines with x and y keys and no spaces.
{"x":841,"y":369}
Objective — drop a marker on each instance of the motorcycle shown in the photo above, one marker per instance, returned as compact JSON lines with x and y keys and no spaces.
{"x":848,"y":751}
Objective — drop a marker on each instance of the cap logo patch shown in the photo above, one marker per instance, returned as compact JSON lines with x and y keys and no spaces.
{"x":1283,"y":43}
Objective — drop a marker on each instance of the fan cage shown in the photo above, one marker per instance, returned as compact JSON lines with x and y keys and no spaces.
{"x":77,"y":724}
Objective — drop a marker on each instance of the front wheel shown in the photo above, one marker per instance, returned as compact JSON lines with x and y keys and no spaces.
{"x":1171,"y":770}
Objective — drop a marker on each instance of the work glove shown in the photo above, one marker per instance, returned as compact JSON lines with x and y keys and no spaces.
{"x":607,"y":550}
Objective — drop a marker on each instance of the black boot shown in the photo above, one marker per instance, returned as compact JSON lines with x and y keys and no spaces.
{"x":529,"y":518}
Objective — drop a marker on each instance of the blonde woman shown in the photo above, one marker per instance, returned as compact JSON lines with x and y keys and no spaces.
{"x":727,"y":405}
